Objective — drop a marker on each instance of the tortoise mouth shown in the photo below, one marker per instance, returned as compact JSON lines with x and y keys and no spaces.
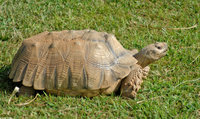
{"x":165,"y":51}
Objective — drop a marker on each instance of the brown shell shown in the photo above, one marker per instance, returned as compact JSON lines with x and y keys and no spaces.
{"x":71,"y":60}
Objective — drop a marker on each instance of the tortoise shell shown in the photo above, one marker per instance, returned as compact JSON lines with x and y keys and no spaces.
{"x":71,"y":60}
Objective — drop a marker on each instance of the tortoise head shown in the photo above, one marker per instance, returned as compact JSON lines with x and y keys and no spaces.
{"x":151,"y":53}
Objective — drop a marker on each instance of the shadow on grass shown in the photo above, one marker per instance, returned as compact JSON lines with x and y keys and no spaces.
{"x":6,"y":84}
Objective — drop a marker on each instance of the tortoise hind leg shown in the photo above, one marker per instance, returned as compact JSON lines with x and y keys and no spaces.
{"x":28,"y":91}
{"x":132,"y":83}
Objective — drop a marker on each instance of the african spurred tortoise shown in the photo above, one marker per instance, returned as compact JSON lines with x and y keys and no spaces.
{"x":81,"y":63}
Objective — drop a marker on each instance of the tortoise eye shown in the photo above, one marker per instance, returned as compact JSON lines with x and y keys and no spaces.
{"x":159,"y":47}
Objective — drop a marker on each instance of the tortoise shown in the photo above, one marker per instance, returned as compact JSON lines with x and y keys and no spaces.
{"x":81,"y":63}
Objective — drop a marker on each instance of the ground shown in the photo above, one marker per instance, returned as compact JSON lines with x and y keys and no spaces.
{"x":172,"y":90}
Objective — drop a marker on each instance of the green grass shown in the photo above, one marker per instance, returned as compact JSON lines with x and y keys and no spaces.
{"x":172,"y":90}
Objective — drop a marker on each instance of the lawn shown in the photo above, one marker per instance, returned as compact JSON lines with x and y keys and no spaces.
{"x":172,"y":89}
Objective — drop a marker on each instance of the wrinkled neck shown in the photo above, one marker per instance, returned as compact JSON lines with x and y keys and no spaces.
{"x":142,"y":60}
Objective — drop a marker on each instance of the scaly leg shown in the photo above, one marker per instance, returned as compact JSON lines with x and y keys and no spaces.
{"x":132,"y":83}
{"x":145,"y":72}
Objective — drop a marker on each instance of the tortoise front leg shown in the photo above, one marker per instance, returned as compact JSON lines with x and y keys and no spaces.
{"x":28,"y":91}
{"x":145,"y":72}
{"x":132,"y":83}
